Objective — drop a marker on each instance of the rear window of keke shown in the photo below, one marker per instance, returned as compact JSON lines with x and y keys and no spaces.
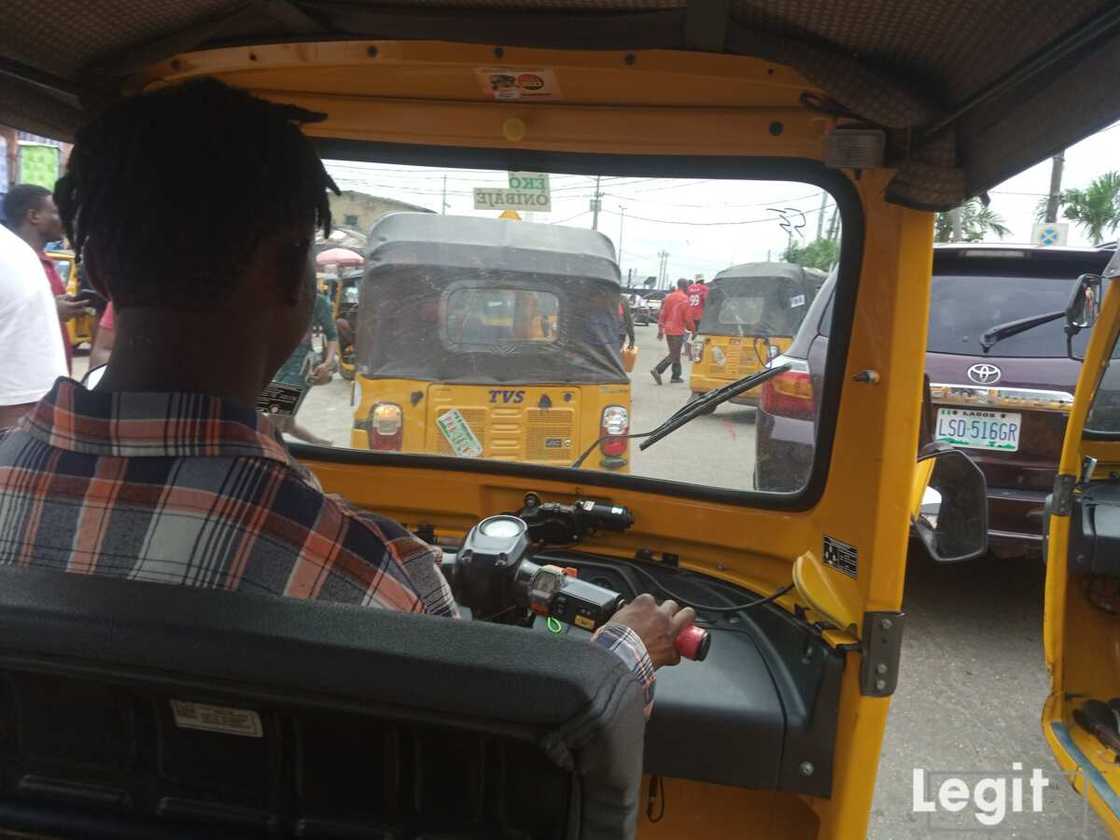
{"x":514,"y":323}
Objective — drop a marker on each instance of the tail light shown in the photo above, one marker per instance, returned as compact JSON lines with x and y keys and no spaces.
{"x":789,"y":394}
{"x":616,"y":421}
{"x":698,"y":350}
{"x":386,"y":427}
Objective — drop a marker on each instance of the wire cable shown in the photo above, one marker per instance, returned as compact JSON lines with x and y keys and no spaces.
{"x":768,"y":599}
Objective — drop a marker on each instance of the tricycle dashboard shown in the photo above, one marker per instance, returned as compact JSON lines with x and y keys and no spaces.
{"x":760,"y":712}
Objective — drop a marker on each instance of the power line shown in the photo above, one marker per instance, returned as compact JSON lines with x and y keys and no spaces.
{"x":709,"y":224}
{"x":571,"y":218}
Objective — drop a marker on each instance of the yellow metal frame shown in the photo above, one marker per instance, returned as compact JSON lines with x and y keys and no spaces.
{"x":646,"y":103}
{"x":1082,"y":643}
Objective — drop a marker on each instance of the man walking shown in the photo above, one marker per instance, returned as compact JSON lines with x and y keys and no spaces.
{"x":672,"y":324}
{"x":33,"y":217}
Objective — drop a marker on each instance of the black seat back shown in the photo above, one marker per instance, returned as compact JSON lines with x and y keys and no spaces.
{"x":137,"y":709}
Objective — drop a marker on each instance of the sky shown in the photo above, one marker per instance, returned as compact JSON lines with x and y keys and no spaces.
{"x":703,"y":225}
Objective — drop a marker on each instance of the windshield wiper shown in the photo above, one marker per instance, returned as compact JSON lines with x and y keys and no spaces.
{"x":999,"y":332}
{"x":690,"y":411}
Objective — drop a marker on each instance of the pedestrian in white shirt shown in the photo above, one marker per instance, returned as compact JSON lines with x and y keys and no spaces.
{"x":31,"y":355}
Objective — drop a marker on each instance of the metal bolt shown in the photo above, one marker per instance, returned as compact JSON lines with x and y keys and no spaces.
{"x":880,"y":685}
{"x":371,"y":52}
{"x":630,"y":58}
{"x":499,"y":52}
{"x":886,"y":624}
{"x":881,"y":668}
{"x":807,"y":768}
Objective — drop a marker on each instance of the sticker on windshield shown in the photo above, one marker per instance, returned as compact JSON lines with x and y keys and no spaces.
{"x":797,"y":300}
{"x":460,"y":436}
{"x":225,"y":719}
{"x":512,"y":83}
{"x":841,"y":556}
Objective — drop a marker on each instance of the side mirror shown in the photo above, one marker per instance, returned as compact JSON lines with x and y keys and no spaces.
{"x":1084,"y":304}
{"x":952,"y":520}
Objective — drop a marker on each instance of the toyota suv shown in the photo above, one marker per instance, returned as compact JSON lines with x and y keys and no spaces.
{"x":1000,"y":394}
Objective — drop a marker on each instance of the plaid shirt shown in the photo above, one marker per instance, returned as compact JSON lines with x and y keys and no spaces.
{"x":188,"y":489}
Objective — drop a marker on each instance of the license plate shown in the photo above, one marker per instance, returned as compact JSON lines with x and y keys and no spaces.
{"x":979,"y":429}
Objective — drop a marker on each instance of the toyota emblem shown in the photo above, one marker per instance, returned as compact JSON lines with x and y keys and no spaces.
{"x":984,"y":374}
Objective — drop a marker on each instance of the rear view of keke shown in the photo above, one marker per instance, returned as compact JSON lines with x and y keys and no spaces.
{"x":502,"y":732}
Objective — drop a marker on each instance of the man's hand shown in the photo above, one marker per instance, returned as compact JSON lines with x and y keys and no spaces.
{"x":660,"y":335}
{"x":69,"y":309}
{"x":658,"y":626}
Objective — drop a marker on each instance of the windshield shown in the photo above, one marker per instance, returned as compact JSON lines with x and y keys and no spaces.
{"x":964,"y":307}
{"x":497,"y":332}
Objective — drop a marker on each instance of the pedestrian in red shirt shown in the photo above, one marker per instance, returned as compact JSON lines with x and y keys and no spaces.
{"x":31,"y":214}
{"x":697,"y":297}
{"x":672,"y":325}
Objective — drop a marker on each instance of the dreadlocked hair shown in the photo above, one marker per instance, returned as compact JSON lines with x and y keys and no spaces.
{"x":173,"y":191}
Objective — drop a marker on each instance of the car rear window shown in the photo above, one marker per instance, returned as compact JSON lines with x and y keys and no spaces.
{"x":964,"y":306}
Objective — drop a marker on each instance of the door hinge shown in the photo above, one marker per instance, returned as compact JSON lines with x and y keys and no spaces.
{"x":1062,"y":501}
{"x":882,"y":648}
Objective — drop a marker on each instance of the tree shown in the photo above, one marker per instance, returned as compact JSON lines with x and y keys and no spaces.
{"x":976,"y":222}
{"x":820,"y":253}
{"x":1096,"y":208}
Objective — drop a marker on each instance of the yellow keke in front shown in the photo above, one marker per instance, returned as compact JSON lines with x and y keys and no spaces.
{"x":1081,"y":544}
{"x":267,"y":716}
{"x":487,"y":338}
{"x":751,"y":314}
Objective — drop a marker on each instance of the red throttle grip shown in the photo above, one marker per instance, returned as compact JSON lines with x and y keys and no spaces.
{"x":693,"y":643}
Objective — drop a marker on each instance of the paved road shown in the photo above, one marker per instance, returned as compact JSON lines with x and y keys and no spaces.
{"x":970,"y":699}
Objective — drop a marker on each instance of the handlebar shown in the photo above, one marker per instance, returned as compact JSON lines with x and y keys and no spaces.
{"x":493,"y":575}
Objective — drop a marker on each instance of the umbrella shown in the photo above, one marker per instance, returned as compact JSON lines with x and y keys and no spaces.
{"x":339,"y":256}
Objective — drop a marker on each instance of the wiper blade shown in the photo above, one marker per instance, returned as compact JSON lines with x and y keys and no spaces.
{"x":709,"y":401}
{"x":999,"y":332}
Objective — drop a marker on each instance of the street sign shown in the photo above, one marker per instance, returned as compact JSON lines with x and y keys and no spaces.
{"x":1050,"y":233}
{"x":527,"y":191}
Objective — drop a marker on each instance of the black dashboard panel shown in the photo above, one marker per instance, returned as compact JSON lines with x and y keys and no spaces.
{"x":759,"y":712}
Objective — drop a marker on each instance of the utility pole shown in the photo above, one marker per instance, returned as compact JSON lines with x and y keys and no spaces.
{"x":621,"y":220}
{"x":596,"y":204}
{"x":443,"y":202}
{"x":662,"y":268}
{"x":832,"y":226}
{"x":1057,"y":163}
{"x":820,"y":215}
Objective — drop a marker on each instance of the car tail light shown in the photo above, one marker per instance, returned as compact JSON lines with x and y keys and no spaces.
{"x":616,"y":421}
{"x":386,"y":427}
{"x":789,"y":394}
{"x":698,"y":350}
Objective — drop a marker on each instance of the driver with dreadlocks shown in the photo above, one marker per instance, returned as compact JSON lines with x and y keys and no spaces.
{"x":194,"y":209}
